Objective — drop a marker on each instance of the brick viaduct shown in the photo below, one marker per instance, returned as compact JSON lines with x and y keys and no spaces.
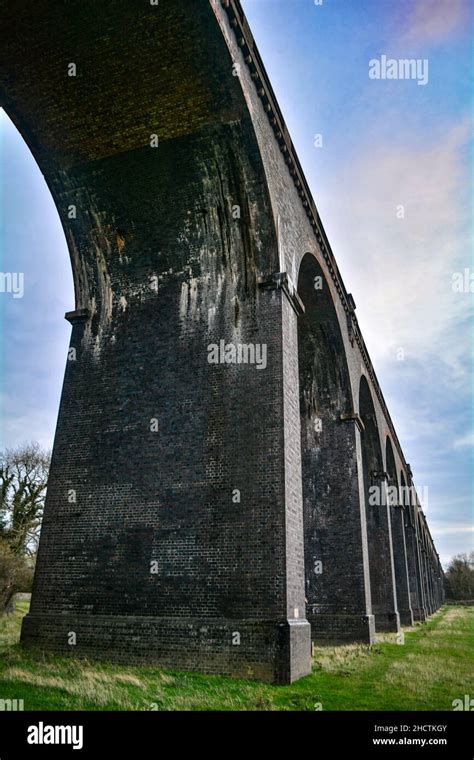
{"x":206,"y":516}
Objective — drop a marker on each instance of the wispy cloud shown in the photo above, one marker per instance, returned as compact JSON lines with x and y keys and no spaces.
{"x":465,"y":441}
{"x":434,"y":21}
{"x":25,"y":424}
{"x":399,"y":223}
{"x":408,"y":235}
{"x":455,"y":538}
{"x":441,"y":528}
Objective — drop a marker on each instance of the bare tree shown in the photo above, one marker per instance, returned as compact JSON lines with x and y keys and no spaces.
{"x":13,"y":570}
{"x":23,"y":481}
{"x":460,"y":577}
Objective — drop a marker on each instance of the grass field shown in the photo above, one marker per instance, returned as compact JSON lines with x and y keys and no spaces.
{"x":433,"y":667}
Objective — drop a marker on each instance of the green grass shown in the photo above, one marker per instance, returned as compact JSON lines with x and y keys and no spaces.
{"x":432,"y":668}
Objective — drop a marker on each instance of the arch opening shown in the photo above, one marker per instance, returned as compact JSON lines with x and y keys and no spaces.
{"x":397,"y":509}
{"x":379,"y":534}
{"x":334,"y":562}
{"x":37,"y":289}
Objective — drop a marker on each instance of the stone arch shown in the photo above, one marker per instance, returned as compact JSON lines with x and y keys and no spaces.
{"x":325,"y":386}
{"x":14,"y":112}
{"x":403,"y":483}
{"x":413,"y":549}
{"x":425,"y":569}
{"x":154,"y":438}
{"x":334,"y":557}
{"x":397,"y":511}
{"x":164,"y":495}
{"x":379,"y":534}
{"x":79,"y":139}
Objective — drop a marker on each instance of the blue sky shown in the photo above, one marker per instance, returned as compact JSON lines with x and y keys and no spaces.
{"x":385,"y":145}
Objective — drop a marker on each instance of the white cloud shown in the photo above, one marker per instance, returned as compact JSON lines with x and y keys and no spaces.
{"x":456,"y":538}
{"x":434,"y":21}
{"x":440,"y":528}
{"x":400,"y":269}
{"x":465,"y":441}
{"x":23,"y":422}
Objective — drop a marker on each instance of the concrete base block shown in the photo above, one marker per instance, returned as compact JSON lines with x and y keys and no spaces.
{"x":341,"y":627}
{"x":387,"y":622}
{"x":273,"y":651}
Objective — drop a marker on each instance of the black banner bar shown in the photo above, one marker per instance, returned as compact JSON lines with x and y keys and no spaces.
{"x":157,"y":734}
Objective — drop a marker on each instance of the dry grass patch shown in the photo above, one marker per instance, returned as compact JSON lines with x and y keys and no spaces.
{"x":334,"y":659}
{"x":89,"y":686}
